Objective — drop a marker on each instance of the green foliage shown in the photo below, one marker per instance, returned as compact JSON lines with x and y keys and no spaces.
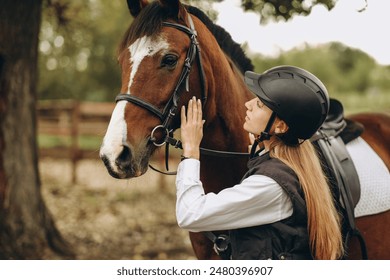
{"x":78,"y":57}
{"x":279,"y":9}
{"x":78,"y":44}
{"x":372,"y":101}
{"x":349,"y":74}
{"x":341,"y":68}
{"x":283,"y":9}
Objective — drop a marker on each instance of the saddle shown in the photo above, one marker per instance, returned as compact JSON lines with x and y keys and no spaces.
{"x":330,"y":141}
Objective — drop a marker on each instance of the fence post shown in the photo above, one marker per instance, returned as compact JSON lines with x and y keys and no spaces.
{"x":75,"y":151}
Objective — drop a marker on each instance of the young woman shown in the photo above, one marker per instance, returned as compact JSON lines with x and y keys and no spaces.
{"x":283,"y":208}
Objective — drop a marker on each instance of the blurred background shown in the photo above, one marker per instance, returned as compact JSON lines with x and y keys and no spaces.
{"x":78,"y":48}
{"x":105,"y":218}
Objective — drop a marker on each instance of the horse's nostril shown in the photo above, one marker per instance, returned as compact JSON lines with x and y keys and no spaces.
{"x":124,"y":159}
{"x":105,"y":160}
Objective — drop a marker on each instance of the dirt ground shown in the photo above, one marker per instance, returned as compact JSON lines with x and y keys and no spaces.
{"x":105,"y":218}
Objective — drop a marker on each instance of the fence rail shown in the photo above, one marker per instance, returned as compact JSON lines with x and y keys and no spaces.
{"x":72,"y":120}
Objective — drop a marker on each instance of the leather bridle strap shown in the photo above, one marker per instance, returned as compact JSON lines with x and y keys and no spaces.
{"x":169,"y":111}
{"x":138,"y":101}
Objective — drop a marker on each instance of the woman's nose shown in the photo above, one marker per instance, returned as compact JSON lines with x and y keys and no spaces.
{"x":247,"y":105}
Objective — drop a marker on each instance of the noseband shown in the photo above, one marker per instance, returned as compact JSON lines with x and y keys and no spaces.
{"x":170,"y":109}
{"x":167,"y":114}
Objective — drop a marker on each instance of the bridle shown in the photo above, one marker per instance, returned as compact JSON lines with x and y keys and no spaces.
{"x":167,"y":114}
{"x":170,"y":109}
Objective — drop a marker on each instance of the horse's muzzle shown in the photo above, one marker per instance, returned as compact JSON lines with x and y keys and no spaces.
{"x":125,"y":165}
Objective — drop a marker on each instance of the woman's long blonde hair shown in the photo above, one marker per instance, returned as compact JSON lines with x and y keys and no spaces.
{"x":323,"y":219}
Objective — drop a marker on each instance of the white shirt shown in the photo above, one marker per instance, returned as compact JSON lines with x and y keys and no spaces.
{"x":257,"y":200}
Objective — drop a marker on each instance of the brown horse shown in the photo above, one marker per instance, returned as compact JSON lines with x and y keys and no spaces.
{"x":162,"y":68}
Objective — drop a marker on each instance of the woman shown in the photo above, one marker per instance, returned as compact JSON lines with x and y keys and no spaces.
{"x":283,"y":208}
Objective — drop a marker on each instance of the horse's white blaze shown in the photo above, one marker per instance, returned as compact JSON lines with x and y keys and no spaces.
{"x":116,"y":135}
{"x":141,"y":48}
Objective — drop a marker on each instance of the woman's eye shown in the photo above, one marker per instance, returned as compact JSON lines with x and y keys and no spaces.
{"x":260,"y":105}
{"x":169,"y":61}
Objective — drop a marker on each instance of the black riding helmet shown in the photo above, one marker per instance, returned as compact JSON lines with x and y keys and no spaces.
{"x":295,"y":95}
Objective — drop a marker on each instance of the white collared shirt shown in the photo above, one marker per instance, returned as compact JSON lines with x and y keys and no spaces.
{"x":257,"y":200}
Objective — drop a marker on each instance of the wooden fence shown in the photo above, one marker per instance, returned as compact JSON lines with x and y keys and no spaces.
{"x":72,"y":121}
{"x":69,"y":121}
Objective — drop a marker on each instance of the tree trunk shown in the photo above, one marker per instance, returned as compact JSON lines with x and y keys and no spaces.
{"x":27,"y":230}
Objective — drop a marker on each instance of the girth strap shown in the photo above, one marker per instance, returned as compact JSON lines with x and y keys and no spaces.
{"x":345,"y":183}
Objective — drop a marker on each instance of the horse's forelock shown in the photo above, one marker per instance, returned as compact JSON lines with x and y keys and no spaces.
{"x":147,"y":23}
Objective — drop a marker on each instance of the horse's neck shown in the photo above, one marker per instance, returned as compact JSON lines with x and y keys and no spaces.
{"x":226,"y":112}
{"x":226,"y":95}
{"x":224,"y":129}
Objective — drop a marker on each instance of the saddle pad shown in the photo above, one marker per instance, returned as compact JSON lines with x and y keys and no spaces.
{"x":374,"y":179}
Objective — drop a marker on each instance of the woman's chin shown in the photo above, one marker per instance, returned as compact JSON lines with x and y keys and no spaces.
{"x":246,"y":128}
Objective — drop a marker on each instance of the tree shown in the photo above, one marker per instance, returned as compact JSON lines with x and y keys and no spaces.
{"x":78,"y":42}
{"x":27,"y":230}
{"x":279,"y":9}
{"x":271,"y":9}
{"x":283,"y":9}
{"x":342,"y":69}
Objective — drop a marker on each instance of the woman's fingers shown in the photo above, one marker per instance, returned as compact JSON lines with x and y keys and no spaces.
{"x":183,"y":115}
{"x":193,"y":116}
{"x":194,"y":111}
{"x":191,"y":128}
{"x":200,"y":114}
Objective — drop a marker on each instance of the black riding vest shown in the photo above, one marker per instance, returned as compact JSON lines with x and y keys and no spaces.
{"x":286,"y":239}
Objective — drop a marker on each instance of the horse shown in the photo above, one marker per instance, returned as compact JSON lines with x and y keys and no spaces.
{"x":172,"y":52}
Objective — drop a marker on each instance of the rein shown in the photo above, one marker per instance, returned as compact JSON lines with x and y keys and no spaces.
{"x":204,"y":151}
{"x":167,"y":114}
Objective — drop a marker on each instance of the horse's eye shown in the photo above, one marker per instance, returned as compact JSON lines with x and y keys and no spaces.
{"x":169,"y":61}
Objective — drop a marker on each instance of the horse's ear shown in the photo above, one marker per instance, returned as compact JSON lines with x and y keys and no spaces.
{"x":174,"y":8}
{"x":135,"y":6}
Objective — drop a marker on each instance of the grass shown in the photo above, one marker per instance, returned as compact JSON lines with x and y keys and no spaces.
{"x":84,"y":142}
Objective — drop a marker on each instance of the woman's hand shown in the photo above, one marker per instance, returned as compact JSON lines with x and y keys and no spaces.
{"x":192,"y":128}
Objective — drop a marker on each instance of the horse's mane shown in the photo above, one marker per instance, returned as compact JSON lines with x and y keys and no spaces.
{"x":149,"y":22}
{"x":225,"y":41}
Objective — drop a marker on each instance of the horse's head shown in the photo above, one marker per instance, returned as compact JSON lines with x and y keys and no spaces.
{"x":157,"y":50}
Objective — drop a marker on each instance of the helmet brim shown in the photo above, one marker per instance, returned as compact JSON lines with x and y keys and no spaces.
{"x":252,"y":82}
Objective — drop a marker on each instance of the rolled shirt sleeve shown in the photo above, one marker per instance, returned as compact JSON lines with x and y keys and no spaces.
{"x":257,"y":200}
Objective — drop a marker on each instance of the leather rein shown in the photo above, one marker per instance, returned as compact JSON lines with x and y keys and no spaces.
{"x":167,"y":114}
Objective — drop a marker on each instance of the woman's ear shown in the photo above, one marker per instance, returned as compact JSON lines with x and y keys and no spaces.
{"x":280,"y":127}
